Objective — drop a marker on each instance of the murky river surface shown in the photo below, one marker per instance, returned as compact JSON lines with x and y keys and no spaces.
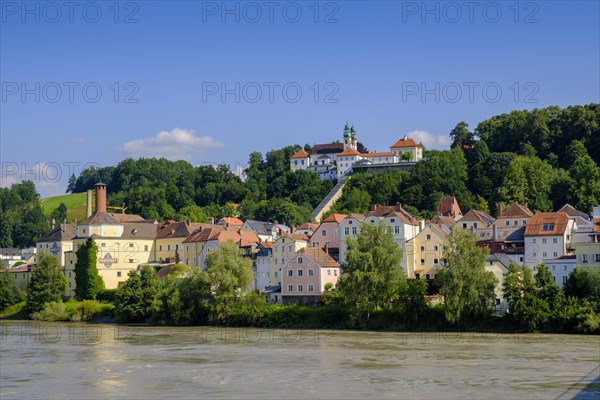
{"x":54,"y":360}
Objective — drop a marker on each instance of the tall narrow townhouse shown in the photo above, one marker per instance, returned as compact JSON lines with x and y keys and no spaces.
{"x":425,"y":251}
{"x":284,"y":248}
{"x":547,"y":236}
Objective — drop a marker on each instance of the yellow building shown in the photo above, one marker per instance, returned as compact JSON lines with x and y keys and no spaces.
{"x":424,"y":251}
{"x":57,"y":243}
{"x":169,"y":240}
{"x":19,"y":275}
{"x":284,"y":248}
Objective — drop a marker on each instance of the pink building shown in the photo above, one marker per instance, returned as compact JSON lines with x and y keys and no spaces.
{"x":327,"y":235}
{"x":305,"y":275}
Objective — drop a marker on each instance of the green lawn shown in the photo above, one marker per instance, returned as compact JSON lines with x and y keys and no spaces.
{"x":75,"y":203}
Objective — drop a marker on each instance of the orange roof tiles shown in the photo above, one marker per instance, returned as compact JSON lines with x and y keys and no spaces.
{"x":516,"y":211}
{"x":405,"y":142}
{"x":349,"y":152}
{"x":319,"y":256}
{"x":335,"y":218}
{"x":547,"y":223}
{"x":300,"y":154}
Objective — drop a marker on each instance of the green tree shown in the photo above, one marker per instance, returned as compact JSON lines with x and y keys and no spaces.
{"x":528,"y":180}
{"x":583,"y":283}
{"x":47,"y":283}
{"x":408,"y":156}
{"x":8,"y":294}
{"x":585,"y":189}
{"x":135,"y":299}
{"x":193,"y":213}
{"x":229,"y":275}
{"x":517,"y":283}
{"x":88,"y":283}
{"x":461,"y":136}
{"x":468,"y":289}
{"x":546,"y":288}
{"x":372,"y":275}
{"x":413,"y":304}
{"x":59,"y":214}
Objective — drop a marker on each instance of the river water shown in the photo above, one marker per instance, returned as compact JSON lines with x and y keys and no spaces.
{"x":77,"y":361}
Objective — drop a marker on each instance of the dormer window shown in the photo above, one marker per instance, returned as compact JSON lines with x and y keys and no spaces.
{"x":547,"y":227}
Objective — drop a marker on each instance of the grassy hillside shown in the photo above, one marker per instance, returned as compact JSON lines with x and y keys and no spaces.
{"x":75,"y":203}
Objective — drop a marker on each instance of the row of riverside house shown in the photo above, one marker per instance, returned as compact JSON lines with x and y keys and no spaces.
{"x":298,"y":264}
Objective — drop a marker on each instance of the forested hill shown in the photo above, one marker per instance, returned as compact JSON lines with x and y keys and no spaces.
{"x":544,"y":158}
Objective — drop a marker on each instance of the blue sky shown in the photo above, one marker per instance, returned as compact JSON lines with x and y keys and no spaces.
{"x":390,"y":68}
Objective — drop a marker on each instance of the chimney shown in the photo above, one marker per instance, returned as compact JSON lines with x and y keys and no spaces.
{"x":500,"y":210}
{"x":100,"y":197}
{"x":494,"y":233}
{"x":326,"y":248}
{"x":88,"y":206}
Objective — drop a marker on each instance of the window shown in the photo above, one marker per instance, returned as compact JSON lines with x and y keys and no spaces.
{"x":329,"y":272}
{"x":435,"y":248}
{"x":354,"y":230}
{"x":555,"y":240}
{"x":323,"y":232}
{"x":160,"y":247}
{"x":597,"y":257}
{"x":564,"y":280}
{"x":289,"y":248}
{"x":119,"y":274}
{"x":311,"y":288}
{"x":417,"y":276}
{"x":131,"y":261}
{"x":475,"y":225}
{"x":311,"y":272}
{"x":282,"y":261}
{"x":69,"y":284}
{"x":515,"y":223}
{"x":548,"y":227}
{"x":290,"y":288}
{"x":335,"y":272}
{"x":168,"y":247}
{"x":584,"y":258}
{"x":426,"y":276}
{"x":464,"y":225}
{"x":103,"y":244}
{"x":544,"y":240}
{"x":553,"y":278}
{"x":290,"y":272}
{"x":555,"y":254}
{"x":428,"y":237}
{"x":507,"y":223}
{"x":300,"y":272}
{"x":275,"y":261}
{"x":435,"y":261}
{"x":422,"y":248}
{"x":554,"y":268}
{"x":397,"y":229}
{"x":299,"y":260}
{"x":533,"y":240}
{"x":145,"y":247}
{"x":275,"y":274}
{"x":295,"y":162}
{"x":302,"y":162}
{"x":422,"y":261}
{"x":346,"y":231}
{"x":544,"y":254}
{"x":565,"y":268}
{"x":300,"y":288}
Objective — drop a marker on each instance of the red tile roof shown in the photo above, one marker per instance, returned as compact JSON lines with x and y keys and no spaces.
{"x":349,"y":152}
{"x":443,"y":220}
{"x":516,"y":211}
{"x":405,"y":142}
{"x":335,"y":218}
{"x":300,"y":154}
{"x":319,"y":256}
{"x":449,"y":207}
{"x":547,"y":223}
{"x":232,"y":221}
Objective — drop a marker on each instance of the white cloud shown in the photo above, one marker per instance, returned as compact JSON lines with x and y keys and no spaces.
{"x":429,"y":140}
{"x":177,"y":144}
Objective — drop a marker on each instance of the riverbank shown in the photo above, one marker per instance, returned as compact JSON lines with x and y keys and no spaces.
{"x":285,"y":317}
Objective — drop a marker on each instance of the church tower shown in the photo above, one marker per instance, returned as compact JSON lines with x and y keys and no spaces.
{"x":347,"y":137}
{"x":353,"y":140}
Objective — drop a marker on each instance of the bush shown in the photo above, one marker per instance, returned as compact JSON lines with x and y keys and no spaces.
{"x":107,"y":295}
{"x":55,"y":311}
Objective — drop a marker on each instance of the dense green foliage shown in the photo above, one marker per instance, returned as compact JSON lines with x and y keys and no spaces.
{"x":22,"y":220}
{"x":468,"y":289}
{"x":88,"y":283}
{"x":372,"y":276}
{"x":133,"y":300}
{"x":47,"y":284}
{"x":74,"y":311}
{"x":538,"y":304}
{"x":8,"y":294}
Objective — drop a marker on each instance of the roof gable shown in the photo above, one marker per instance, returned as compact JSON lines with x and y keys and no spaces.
{"x":551,"y":223}
{"x":405,"y":142}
